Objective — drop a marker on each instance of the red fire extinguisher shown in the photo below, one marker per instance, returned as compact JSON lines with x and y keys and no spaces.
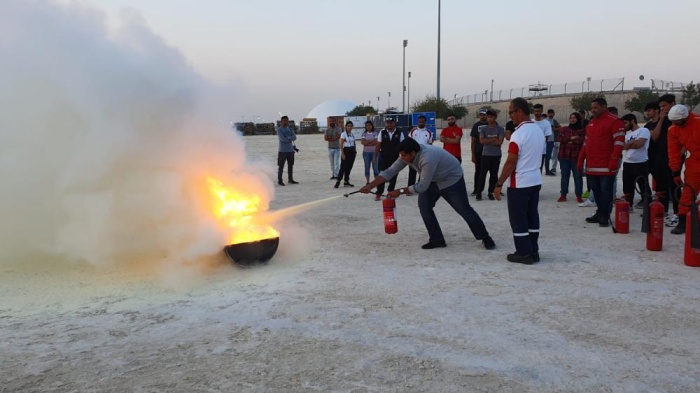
{"x":655,"y":236}
{"x":622,"y":216}
{"x":691,"y":256}
{"x":390,"y":224}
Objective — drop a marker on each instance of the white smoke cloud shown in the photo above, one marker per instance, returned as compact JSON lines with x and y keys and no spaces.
{"x":106,"y":139}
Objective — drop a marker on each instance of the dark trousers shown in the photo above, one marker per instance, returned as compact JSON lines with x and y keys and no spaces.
{"x":283,"y":157}
{"x":602,"y":187}
{"x":347,"y":163}
{"x":524,"y":218}
{"x":547,"y":157}
{"x":477,"y":169}
{"x":411,"y":176}
{"x":568,"y":167}
{"x":384,"y":163}
{"x":489,"y":165}
{"x":456,"y":196}
{"x":634,"y":174}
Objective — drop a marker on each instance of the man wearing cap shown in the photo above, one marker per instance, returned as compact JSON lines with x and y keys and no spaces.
{"x":476,"y":146}
{"x":332,"y":136}
{"x":684,"y":134}
{"x":388,"y":149}
{"x":441,"y":176}
{"x":605,"y":138}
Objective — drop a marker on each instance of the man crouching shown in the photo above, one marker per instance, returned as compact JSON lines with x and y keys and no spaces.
{"x":441,"y":175}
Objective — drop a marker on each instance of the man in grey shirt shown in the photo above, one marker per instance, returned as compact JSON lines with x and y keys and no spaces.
{"x":286,"y":150}
{"x":441,"y":175}
{"x":332,"y":136}
{"x":491,"y":137}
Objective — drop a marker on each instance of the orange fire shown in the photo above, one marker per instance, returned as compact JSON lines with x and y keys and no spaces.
{"x":239,"y":212}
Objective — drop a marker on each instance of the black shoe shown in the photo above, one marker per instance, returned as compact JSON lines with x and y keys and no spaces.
{"x":473,"y":193}
{"x":604,"y":222}
{"x":478,"y":196}
{"x":593,"y":219}
{"x":280,"y":182}
{"x":524,"y":259}
{"x":549,"y":174}
{"x":680,"y":228}
{"x":293,"y":182}
{"x":536,"y":256}
{"x":491,"y":197}
{"x":488,"y":243}
{"x":347,"y":184}
{"x":431,"y":245}
{"x":337,"y":184}
{"x":334,"y":178}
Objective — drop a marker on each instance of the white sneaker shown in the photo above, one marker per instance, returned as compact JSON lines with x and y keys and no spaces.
{"x":587,"y":203}
{"x":671,"y":220}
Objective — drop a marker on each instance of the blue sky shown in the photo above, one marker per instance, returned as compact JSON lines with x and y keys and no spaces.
{"x":288,"y":56}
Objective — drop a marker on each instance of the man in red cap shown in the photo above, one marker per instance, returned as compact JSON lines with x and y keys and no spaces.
{"x":684,"y":133}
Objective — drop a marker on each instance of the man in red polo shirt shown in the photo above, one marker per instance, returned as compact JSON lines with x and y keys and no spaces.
{"x":451,"y":137}
{"x":605,"y":138}
{"x":684,"y":133}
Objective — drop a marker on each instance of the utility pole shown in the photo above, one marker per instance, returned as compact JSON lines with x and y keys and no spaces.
{"x":491,"y":90}
{"x":438,"y":54}
{"x":403,"y":74}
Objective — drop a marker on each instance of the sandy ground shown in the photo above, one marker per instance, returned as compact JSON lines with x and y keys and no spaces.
{"x":344,"y":307}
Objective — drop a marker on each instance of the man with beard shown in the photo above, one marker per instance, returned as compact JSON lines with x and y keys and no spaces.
{"x":684,"y":135}
{"x":451,"y":137}
{"x":605,"y":138}
{"x":388,"y":149}
{"x":476,"y":146}
{"x":521,"y":170}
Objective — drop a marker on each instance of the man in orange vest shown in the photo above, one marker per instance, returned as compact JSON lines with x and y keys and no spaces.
{"x":684,"y":134}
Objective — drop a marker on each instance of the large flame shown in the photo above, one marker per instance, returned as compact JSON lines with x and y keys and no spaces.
{"x":241,"y":213}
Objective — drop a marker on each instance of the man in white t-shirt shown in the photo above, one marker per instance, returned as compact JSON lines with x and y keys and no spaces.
{"x":524,"y":183}
{"x":542,"y":121}
{"x":635,"y":164}
{"x":423,"y":136}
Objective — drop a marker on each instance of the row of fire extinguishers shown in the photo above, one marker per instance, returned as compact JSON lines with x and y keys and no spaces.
{"x":653,"y":224}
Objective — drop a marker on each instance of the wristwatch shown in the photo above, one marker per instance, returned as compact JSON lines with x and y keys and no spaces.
{"x":402,"y":191}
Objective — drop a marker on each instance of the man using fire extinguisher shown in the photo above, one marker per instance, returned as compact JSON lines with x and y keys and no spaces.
{"x":605,"y":137}
{"x":441,"y":175}
{"x":684,"y":133}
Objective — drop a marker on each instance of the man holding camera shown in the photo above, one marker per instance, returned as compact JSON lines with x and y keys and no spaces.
{"x":286,"y":150}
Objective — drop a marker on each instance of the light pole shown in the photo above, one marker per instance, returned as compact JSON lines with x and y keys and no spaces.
{"x":388,"y":101}
{"x":378,"y":104}
{"x":438,"y":54}
{"x":491,"y":90}
{"x":409,"y":91}
{"x":403,"y":74}
{"x":589,"y":83}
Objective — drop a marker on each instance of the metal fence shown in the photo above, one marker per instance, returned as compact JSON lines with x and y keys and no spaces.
{"x":663,"y":87}
{"x":545,"y":90}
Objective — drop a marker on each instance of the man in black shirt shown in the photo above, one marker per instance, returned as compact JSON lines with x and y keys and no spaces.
{"x":477,"y":148}
{"x":658,"y":153}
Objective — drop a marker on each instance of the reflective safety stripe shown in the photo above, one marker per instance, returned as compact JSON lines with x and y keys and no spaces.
{"x":619,"y":143}
{"x":597,"y":169}
{"x":521,"y":234}
{"x":615,"y":135}
{"x":534,"y":230}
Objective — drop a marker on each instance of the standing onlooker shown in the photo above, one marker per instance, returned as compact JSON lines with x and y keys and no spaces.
{"x":332,"y":136}
{"x":605,"y":136}
{"x":521,"y":167}
{"x":476,"y":146}
{"x":451,"y":137}
{"x":635,"y":167}
{"x":556,"y":127}
{"x":347,"y":156}
{"x":285,"y":153}
{"x":571,"y":140}
{"x":491,"y":139}
{"x":658,"y":125}
{"x":546,"y":127}
{"x":684,"y":134}
{"x":422,"y":135}
{"x":584,"y":118}
{"x":510,"y":129}
{"x":387,"y":149}
{"x":369,"y":141}
{"x":666,"y":102}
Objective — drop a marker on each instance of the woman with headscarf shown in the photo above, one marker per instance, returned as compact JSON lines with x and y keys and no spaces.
{"x":571,"y":140}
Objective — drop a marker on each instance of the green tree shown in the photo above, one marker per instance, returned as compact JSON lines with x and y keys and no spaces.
{"x":691,"y":95}
{"x":638,"y":103}
{"x":440,"y":106}
{"x":362,"y":110}
{"x":583,"y":102}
